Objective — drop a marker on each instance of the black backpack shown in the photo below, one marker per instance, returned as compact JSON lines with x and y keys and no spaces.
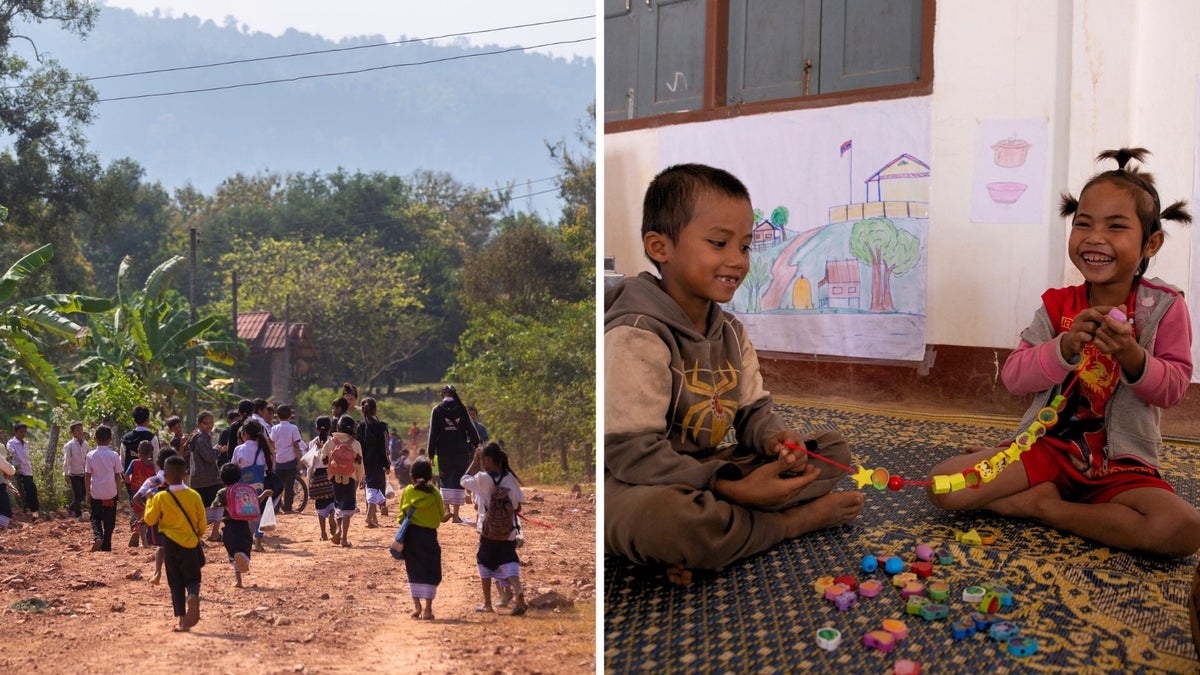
{"x":130,"y":442}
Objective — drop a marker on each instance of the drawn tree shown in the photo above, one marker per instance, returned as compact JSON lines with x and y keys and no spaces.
{"x":889,"y":251}
{"x":755,"y":281}
{"x":780,"y":216}
{"x":758,"y":216}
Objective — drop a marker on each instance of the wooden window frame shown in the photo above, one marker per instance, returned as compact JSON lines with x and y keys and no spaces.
{"x":716,"y":65}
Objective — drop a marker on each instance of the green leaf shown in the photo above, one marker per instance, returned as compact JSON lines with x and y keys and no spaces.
{"x":22,"y":269}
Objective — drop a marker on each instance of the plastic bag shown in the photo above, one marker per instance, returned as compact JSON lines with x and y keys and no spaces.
{"x":389,"y":491}
{"x":267,"y":522}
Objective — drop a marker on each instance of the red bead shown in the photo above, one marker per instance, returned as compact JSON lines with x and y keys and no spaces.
{"x":895,"y":482}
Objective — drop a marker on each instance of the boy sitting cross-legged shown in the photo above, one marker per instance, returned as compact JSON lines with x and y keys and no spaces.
{"x":681,"y":373}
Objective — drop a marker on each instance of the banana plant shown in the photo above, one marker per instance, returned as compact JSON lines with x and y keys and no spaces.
{"x":28,"y":325}
{"x":149,"y":334}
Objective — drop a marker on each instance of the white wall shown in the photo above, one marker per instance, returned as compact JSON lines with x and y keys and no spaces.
{"x":1104,"y":73}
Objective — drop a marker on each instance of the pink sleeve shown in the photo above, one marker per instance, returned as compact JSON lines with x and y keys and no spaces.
{"x":1033,"y":368}
{"x":1168,"y":368}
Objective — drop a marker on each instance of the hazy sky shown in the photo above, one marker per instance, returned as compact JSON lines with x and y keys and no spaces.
{"x":336,"y":19}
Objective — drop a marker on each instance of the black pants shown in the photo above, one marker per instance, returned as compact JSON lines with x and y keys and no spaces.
{"x":104,"y":521}
{"x":183,"y":573}
{"x":29,"y":493}
{"x":77,"y":493}
{"x":287,"y":475}
{"x":5,"y":504}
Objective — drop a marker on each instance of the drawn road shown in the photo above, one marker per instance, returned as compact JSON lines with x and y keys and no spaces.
{"x":781,"y":276}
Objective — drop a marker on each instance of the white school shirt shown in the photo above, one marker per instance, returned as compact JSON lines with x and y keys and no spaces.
{"x":482,"y":486}
{"x":104,"y":465}
{"x":19,"y":451}
{"x":75,"y":457}
{"x":244,"y":455}
{"x":286,"y":436}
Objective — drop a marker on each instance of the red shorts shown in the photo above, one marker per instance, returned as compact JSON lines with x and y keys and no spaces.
{"x":1047,"y":464}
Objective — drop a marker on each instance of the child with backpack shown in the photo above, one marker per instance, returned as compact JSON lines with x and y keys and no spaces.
{"x":422,"y":554}
{"x":342,"y":456}
{"x":255,"y":459}
{"x":179,"y":515}
{"x":239,"y":513}
{"x":136,"y":474}
{"x":498,"y":497}
{"x":320,"y":488}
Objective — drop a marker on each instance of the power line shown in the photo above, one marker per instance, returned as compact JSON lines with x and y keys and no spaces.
{"x":330,"y":51}
{"x":344,"y":72}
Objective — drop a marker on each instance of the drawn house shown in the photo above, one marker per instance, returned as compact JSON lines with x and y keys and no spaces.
{"x":904,"y":179}
{"x":841,"y":285}
{"x":767,"y":234}
{"x":263,"y":373}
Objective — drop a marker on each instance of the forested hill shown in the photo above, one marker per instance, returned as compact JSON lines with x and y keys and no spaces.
{"x":482,"y":119}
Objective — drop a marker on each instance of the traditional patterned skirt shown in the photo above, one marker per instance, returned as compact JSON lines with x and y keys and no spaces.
{"x":422,"y":561}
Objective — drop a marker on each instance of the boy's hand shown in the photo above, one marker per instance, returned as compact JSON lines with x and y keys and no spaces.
{"x":766,"y":487}
{"x":778,"y":443}
{"x":1116,"y":339}
{"x":1083,"y":330}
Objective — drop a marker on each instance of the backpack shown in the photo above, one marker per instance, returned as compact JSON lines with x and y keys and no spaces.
{"x":500,"y":520}
{"x":130,"y":442}
{"x":341,"y":460}
{"x":241,"y":502}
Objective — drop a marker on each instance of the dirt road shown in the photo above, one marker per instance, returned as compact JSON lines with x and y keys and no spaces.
{"x":309,"y":607}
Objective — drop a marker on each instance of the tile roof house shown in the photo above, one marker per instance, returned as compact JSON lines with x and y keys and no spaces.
{"x":263,"y":372}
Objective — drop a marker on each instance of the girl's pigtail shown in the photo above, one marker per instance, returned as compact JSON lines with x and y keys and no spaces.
{"x":1067,"y":205}
{"x":1123,"y":155}
{"x":1177,"y":212}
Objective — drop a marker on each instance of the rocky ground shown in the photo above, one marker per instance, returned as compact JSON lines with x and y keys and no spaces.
{"x":308,"y":607}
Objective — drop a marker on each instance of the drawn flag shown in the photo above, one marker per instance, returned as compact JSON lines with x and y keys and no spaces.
{"x":846,"y":147}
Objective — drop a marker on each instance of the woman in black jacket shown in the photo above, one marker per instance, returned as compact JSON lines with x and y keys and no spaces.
{"x":452,"y":442}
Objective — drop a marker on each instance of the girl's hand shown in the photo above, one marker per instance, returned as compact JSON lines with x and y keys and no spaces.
{"x":1083,"y":330}
{"x":1116,"y":339}
{"x":766,"y":487}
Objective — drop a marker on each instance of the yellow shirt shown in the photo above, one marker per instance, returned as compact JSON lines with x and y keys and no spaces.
{"x":429,"y":507}
{"x":162,"y":511}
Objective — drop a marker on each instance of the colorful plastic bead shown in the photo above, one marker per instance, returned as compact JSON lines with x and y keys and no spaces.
{"x":982,"y":621}
{"x":924,"y":552}
{"x":922,"y":569}
{"x":990,"y":604}
{"x":939,"y":590}
{"x":893,"y":565}
{"x":896,"y":627}
{"x":879,"y":478}
{"x":1003,"y":631}
{"x":895,"y":483}
{"x":870,"y":588}
{"x":971,"y":476}
{"x":1117,"y":315}
{"x":845,"y":601}
{"x":963,"y":629}
{"x":1022,"y":646}
{"x":912,"y":588}
{"x":869,"y":564}
{"x":941,"y":485}
{"x":1038,"y":429}
{"x":984,"y":469}
{"x":957,"y":482}
{"x":847,"y":580}
{"x":906,"y":667}
{"x":934,"y":611}
{"x":1058,"y":402}
{"x":829,"y":638}
{"x":1024,"y":440}
{"x":914,"y":605}
{"x":901,"y":580}
{"x":835,"y":590}
{"x":945,"y":557}
{"x":823,"y":584}
{"x":970,"y":538}
{"x":1006,"y":598}
{"x":973,"y":594}
{"x":1013,"y":454}
{"x":1048,"y":416}
{"x":881,"y":640}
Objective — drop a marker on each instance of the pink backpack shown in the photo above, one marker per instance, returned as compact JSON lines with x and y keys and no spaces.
{"x":341,"y":460}
{"x":241,"y":502}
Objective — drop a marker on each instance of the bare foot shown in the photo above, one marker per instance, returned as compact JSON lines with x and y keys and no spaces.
{"x":1029,"y":503}
{"x":155,"y":579}
{"x":416,"y":614}
{"x":428,"y":615}
{"x":238,"y":585}
{"x":832,"y":510}
{"x":679,"y":575}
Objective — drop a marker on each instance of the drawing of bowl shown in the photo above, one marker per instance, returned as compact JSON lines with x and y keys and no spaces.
{"x":1011,"y":152}
{"x":1005,"y":192}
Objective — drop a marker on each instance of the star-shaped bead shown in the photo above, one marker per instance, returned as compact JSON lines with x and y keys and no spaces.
{"x":863,"y":477}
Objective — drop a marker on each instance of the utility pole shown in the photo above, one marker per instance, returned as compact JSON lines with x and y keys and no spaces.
{"x":237,"y":358}
{"x":193,"y":409}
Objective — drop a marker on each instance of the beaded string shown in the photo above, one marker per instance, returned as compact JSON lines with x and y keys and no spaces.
{"x":983,"y":472}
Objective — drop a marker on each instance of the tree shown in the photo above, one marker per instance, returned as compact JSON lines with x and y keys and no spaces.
{"x":526,"y":266}
{"x":756,"y":280}
{"x":889,"y":251}
{"x":364,"y":307}
{"x":149,"y":335}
